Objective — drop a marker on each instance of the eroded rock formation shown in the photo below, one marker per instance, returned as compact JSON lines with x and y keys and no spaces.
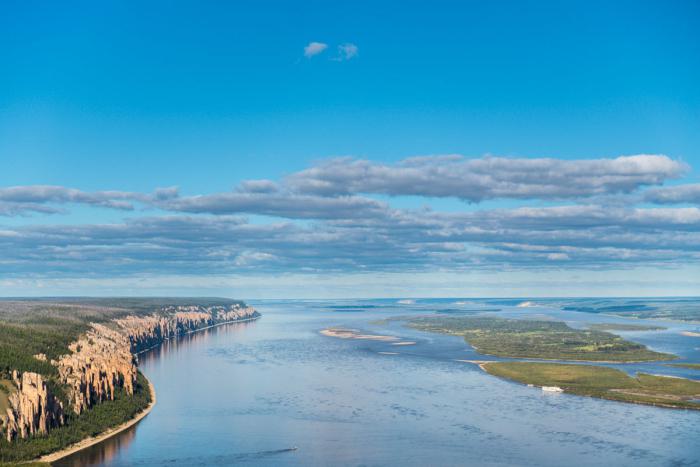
{"x":100,"y":362}
{"x":147,"y":331}
{"x":32,"y":408}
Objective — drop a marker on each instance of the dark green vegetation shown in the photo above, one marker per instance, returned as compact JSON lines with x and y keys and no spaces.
{"x":551,"y":340}
{"x":690,"y":366}
{"x":602,"y":382}
{"x":25,"y":464}
{"x":90,"y":423}
{"x":624,"y":327}
{"x":6,"y":388}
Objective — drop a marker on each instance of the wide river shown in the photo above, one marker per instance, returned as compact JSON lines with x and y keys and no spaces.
{"x":276,"y":392}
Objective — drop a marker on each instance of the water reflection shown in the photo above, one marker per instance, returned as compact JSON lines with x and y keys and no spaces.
{"x":105,"y":452}
{"x":183,"y":343}
{"x":102,"y":453}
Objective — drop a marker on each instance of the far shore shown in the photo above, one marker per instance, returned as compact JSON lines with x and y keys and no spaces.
{"x":93,"y":440}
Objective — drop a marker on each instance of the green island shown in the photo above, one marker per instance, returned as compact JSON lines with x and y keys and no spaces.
{"x":624,"y":327}
{"x":602,"y":382}
{"x":548,"y":340}
{"x":554,"y":340}
{"x":68,"y":369}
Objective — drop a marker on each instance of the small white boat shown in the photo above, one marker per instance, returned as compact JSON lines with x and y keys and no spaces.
{"x":552,"y":389}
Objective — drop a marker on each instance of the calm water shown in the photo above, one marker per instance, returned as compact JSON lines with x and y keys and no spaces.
{"x":250,"y":393}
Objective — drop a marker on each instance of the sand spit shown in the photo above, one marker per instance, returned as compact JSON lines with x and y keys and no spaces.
{"x":479,"y":363}
{"x":355,"y":334}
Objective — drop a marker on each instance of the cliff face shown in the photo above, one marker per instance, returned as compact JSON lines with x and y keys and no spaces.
{"x":32,"y":408}
{"x":100,"y":362}
{"x":147,"y":331}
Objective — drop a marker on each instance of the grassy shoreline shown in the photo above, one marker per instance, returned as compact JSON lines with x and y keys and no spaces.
{"x":602,"y":382}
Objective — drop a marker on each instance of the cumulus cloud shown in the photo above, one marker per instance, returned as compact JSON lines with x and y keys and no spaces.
{"x":397,"y":240}
{"x":258,"y":186}
{"x":689,"y":193}
{"x":324,"y":219}
{"x":18,"y":209}
{"x":37,"y":194}
{"x":20,"y":200}
{"x":331,"y":189}
{"x":314,"y":48}
{"x":488,"y":177}
{"x":280,"y":204}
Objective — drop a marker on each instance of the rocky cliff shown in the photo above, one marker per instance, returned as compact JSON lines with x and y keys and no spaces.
{"x":32,"y":408}
{"x":146,"y":331}
{"x":100,"y":362}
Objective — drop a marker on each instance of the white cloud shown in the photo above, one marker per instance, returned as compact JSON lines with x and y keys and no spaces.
{"x":485,"y":178}
{"x":314,"y":48}
{"x":327,"y":221}
{"x":675,"y":194}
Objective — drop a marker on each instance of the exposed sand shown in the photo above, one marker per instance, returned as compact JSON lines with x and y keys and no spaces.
{"x":691,"y":333}
{"x":404,"y":343}
{"x":479,"y":363}
{"x":91,"y":441}
{"x":355,"y":334}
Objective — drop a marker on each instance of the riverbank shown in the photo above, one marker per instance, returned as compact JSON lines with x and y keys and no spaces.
{"x":602,"y":382}
{"x":93,"y":440}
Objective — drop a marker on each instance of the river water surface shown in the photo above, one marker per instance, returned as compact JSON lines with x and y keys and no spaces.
{"x":276,"y":392}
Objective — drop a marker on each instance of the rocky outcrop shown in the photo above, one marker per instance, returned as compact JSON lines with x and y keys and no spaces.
{"x":146,"y":331}
{"x":32,"y":408}
{"x":100,"y":362}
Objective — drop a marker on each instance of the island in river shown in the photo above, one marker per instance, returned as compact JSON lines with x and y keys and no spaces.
{"x":68,"y":367}
{"x":548,"y":340}
{"x":602,"y":382}
{"x":554,"y":340}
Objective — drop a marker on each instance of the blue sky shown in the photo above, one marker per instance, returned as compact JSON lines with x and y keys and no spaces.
{"x":204,"y":96}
